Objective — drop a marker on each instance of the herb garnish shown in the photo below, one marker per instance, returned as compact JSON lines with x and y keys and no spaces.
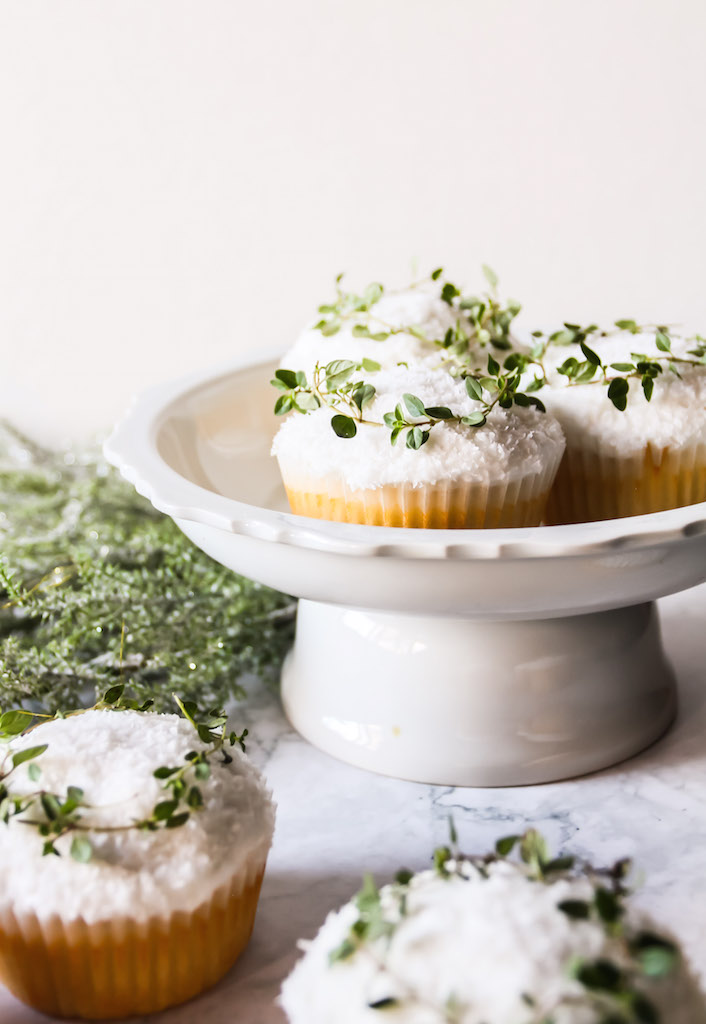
{"x":55,"y":815}
{"x":612,"y":987}
{"x":480,"y":320}
{"x":333,"y":385}
{"x":615,"y":377}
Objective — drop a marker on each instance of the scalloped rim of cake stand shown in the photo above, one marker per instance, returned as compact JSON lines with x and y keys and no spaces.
{"x":132,"y":448}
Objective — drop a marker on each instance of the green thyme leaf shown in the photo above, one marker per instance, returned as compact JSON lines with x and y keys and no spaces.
{"x":343,"y":426}
{"x":28,"y":754}
{"x":618,"y":393}
{"x":490,"y":275}
{"x":81,"y":849}
{"x":414,"y":406}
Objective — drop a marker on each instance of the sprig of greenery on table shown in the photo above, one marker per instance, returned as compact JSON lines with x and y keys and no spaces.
{"x":611,"y":988}
{"x":335,"y":387}
{"x":56,"y":815}
{"x":97,"y":587}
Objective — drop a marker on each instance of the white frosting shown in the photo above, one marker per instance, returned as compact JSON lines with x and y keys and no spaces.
{"x":112,"y":755}
{"x":513,"y":443}
{"x":412,"y":308}
{"x":483,"y":941}
{"x":675,"y":416}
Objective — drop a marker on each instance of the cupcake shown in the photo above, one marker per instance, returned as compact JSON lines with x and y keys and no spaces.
{"x":648,"y":457}
{"x":161,"y":838}
{"x":452,"y":464}
{"x":485,"y":940}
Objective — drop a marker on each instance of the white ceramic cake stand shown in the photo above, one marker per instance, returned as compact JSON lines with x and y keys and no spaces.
{"x":466,"y":657}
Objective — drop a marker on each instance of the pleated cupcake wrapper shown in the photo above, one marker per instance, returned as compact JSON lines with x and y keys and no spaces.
{"x":593,"y":484}
{"x":462,"y":503}
{"x":125,"y":966}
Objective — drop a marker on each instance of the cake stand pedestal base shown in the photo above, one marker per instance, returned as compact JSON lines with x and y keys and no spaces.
{"x":466,"y":702}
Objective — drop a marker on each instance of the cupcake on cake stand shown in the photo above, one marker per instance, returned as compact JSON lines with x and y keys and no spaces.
{"x":461,"y":657}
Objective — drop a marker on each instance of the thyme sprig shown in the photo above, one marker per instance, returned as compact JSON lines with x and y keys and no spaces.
{"x":57,"y":815}
{"x":611,"y":987}
{"x":334,"y":385}
{"x":481,"y":319}
{"x":591,"y":369}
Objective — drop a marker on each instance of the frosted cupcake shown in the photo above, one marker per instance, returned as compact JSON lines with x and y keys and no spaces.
{"x":162,"y":846}
{"x":648,"y":457}
{"x":486,"y":941}
{"x":452,"y":463}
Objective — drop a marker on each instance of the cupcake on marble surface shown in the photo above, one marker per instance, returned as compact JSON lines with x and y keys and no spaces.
{"x":458,"y":458}
{"x":490,"y":940}
{"x":637,"y":446}
{"x":162,"y":839}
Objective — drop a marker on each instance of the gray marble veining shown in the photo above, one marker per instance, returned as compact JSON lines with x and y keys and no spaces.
{"x":335,"y":821}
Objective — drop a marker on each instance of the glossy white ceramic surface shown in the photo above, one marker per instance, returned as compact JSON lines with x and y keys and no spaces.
{"x":199,"y":450}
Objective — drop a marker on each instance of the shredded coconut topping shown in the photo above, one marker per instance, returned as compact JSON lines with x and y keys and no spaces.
{"x":112,"y":756}
{"x":514,"y":442}
{"x":487,"y":944}
{"x":412,"y":308}
{"x":674,"y":418}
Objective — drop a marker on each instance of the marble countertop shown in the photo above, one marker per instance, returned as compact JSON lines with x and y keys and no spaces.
{"x":335,"y":821}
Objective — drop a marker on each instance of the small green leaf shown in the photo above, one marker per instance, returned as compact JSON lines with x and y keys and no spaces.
{"x":81,"y":849}
{"x":436,"y":274}
{"x":283,"y":404}
{"x":306,"y":401}
{"x":342,"y":952}
{"x":338,"y":372}
{"x":330,"y":329}
{"x":361,"y":331}
{"x":27,"y":755}
{"x":474,"y":389}
{"x":449,"y":292}
{"x":590,"y":355}
{"x":576,"y":909}
{"x":506,"y":845}
{"x":627,"y":325}
{"x":370,"y":366}
{"x":663,"y":342}
{"x":177,"y":820}
{"x":490,"y":275}
{"x":474,"y":419}
{"x":289,"y":379}
{"x":414,"y":406}
{"x":623,"y":367}
{"x":648,"y":385}
{"x":202,"y":771}
{"x":438,"y":412}
{"x":386,"y":1003}
{"x":404,"y":876}
{"x":194,"y":798}
{"x":618,"y":393}
{"x":164,"y":772}
{"x":165,"y":809}
{"x":343,"y":426}
{"x":416,"y":437}
{"x":34,"y":772}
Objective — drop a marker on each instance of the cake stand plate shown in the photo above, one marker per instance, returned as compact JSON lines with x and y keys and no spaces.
{"x":459,"y":657}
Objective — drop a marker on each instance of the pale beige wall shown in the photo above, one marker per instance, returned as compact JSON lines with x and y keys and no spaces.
{"x":179,"y":181}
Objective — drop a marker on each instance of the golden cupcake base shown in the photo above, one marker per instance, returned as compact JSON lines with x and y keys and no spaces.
{"x":123,"y":967}
{"x":592,"y":486}
{"x":458,"y":506}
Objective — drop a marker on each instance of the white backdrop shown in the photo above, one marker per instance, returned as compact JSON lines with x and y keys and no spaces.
{"x":181,"y":179}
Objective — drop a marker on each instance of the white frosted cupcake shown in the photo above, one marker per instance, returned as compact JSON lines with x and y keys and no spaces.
{"x":442,"y":472}
{"x":649,"y":457}
{"x":138,"y":918}
{"x":387,"y":343}
{"x":491,"y":942}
